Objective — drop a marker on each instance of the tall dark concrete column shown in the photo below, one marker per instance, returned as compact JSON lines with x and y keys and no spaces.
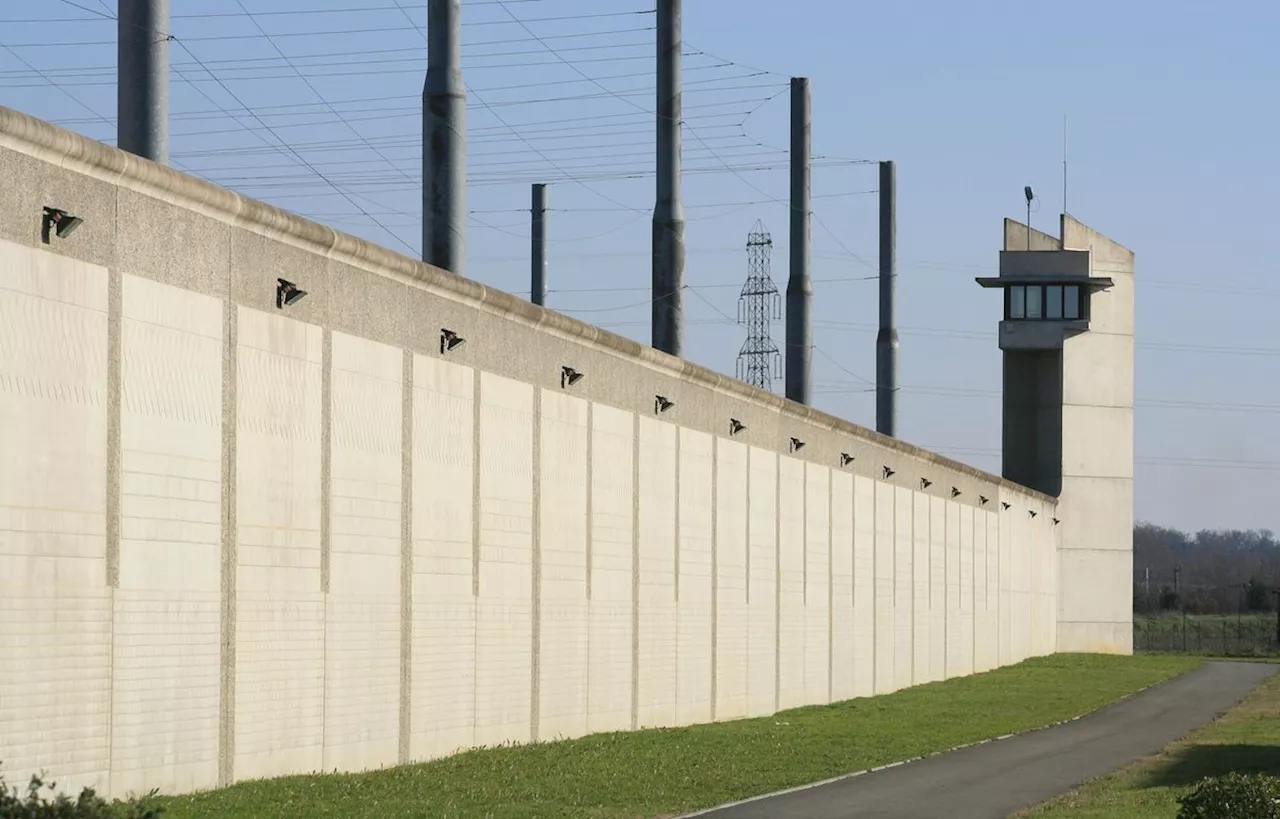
{"x":887,"y":338}
{"x":444,"y":141}
{"x":799,"y":283}
{"x":142,"y":84}
{"x":668,"y":211}
{"x":538,"y":245}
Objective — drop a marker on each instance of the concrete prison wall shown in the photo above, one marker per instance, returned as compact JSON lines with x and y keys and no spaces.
{"x":238,"y":541}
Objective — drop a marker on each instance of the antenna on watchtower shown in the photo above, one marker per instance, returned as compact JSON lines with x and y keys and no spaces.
{"x":1064,"y":163}
{"x":759,"y":361}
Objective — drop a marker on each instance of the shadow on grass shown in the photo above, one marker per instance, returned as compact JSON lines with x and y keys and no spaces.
{"x":1195,"y":763}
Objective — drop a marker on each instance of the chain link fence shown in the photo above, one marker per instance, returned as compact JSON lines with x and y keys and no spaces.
{"x":1227,"y":635}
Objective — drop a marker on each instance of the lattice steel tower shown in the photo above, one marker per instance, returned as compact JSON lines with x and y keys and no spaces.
{"x":759,"y":361}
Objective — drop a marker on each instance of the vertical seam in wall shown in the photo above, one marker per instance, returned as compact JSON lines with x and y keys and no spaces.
{"x":875,"y":585}
{"x":227,"y":646}
{"x":831,"y":583}
{"x":973,"y":596}
{"x":476,"y":504}
{"x":535,"y":592}
{"x":635,"y":570}
{"x":715,"y":570}
{"x":853,"y":549}
{"x":590,"y":556}
{"x":946,"y":590}
{"x":746,"y":513}
{"x":115,"y":399}
{"x":406,"y":556}
{"x":911,"y":550}
{"x":804,"y":538}
{"x":777,"y":582}
{"x":675,"y":683}
{"x":929,"y":586}
{"x":326,"y":529}
{"x":590,"y":539}
{"x":893,"y":496}
{"x":326,"y":457}
{"x":677,"y":551}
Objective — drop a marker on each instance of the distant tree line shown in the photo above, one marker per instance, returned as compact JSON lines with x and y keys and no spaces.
{"x":1210,"y":572}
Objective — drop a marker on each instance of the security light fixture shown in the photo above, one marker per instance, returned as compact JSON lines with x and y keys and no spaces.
{"x":736,"y":426}
{"x":661,"y":403}
{"x":1005,"y":504}
{"x":925,"y":483}
{"x":1030,"y":196}
{"x":61,"y":223}
{"x":983,"y":500}
{"x":845,"y":459}
{"x":569,"y":376}
{"x":796,"y":445}
{"x":887,"y":472}
{"x":449,"y":340}
{"x":955,"y":493}
{"x":287,"y":294}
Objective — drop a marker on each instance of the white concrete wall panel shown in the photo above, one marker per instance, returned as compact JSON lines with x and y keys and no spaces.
{"x":937,"y":589}
{"x":612,"y":531}
{"x":504,"y":617}
{"x":1036,"y":556}
{"x":55,"y":607}
{"x":1004,"y":600}
{"x":864,"y":586}
{"x":694,"y":614}
{"x":362,"y":609}
{"x":842,"y":619}
{"x":964,"y":653}
{"x":903,"y":588}
{"x":955,"y":619}
{"x":167,"y":618}
{"x":791,"y":568}
{"x":885,"y":621}
{"x":657,"y":603}
{"x":817,"y":594}
{"x":732,"y":667}
{"x":762,"y":583}
{"x":1019,"y":586}
{"x":280,"y":609}
{"x":981,"y":641}
{"x":443,"y":687}
{"x":563,"y":617}
{"x":921,"y":624}
{"x":993,"y":590}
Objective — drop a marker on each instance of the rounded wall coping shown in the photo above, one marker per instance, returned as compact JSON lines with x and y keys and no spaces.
{"x":75,"y":152}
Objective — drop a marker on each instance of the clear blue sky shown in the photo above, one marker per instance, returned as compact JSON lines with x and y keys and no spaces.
{"x":1171,"y":111}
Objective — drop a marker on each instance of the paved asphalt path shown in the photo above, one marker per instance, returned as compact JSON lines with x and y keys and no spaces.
{"x":990,"y":781}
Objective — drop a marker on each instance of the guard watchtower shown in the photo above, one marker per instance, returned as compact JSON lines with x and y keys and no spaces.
{"x":1067,"y":338}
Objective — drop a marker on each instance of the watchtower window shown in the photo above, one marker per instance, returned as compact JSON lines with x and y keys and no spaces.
{"x":1053,"y":301}
{"x":1071,"y":302}
{"x":1046,"y":302}
{"x":1035,"y":299}
{"x":1016,"y":306}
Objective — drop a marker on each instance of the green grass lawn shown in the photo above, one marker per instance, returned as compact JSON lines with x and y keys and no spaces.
{"x":666,"y":772}
{"x":1245,"y":739}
